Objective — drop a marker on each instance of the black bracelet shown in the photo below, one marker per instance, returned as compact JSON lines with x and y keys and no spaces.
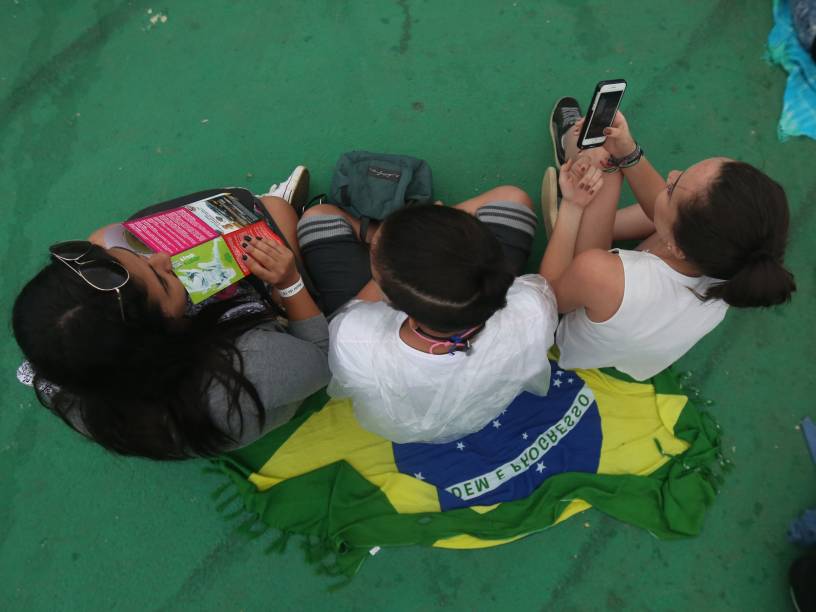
{"x":618,"y":160}
{"x":632,"y":159}
{"x":629,"y":160}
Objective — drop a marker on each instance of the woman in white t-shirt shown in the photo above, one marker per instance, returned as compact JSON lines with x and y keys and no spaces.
{"x":713,"y":236}
{"x":457,"y":336}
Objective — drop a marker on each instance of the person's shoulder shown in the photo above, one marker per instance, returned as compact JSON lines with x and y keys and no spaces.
{"x":530,"y":284}
{"x":598,"y":272}
{"x":261,"y":335}
{"x":599,"y":281}
{"x":359,"y":317}
{"x":599,"y":266}
{"x":531,"y":291}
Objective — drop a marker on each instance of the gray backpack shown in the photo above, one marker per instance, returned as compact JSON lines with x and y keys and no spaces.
{"x":373,"y":185}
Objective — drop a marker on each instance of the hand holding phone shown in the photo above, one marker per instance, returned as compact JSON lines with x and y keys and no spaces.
{"x":601,"y":113}
{"x":619,"y":140}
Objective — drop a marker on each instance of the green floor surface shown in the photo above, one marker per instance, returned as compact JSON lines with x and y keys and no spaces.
{"x":106,"y":107}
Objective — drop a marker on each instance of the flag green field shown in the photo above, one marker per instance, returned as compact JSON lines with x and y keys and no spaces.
{"x":644,"y":453}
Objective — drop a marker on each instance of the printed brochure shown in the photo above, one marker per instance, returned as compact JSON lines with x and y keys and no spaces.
{"x":204,"y":240}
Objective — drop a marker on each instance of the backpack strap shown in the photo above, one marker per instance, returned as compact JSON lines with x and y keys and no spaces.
{"x":364,"y":223}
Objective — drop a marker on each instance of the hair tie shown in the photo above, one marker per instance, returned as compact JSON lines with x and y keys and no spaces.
{"x":760,"y":256}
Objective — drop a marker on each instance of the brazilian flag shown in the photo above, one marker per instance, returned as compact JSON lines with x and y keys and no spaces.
{"x":639,"y":451}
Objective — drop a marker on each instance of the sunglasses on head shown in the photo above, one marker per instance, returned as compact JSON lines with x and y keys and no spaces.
{"x":101,"y":274}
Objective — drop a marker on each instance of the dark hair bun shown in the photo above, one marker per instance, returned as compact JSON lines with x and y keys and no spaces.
{"x":737,"y":231}
{"x":762,"y":281}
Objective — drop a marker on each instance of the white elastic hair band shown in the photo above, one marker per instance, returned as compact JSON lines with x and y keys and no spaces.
{"x":290,"y":291}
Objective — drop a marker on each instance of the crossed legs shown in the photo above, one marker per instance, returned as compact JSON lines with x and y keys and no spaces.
{"x":598,"y":222}
{"x":602,"y":222}
{"x":338,"y":261}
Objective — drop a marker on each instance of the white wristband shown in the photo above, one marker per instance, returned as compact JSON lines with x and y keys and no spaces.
{"x":290,"y":291}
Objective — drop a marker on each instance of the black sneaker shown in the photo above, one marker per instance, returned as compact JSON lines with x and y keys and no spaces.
{"x":565,"y":114}
{"x":803,"y":583}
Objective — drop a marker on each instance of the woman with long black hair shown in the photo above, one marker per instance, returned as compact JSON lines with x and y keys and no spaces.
{"x":121,"y":358}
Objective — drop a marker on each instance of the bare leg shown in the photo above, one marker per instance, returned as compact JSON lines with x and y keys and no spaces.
{"x":505,"y":193}
{"x":598,"y":220}
{"x":370,"y":291}
{"x":286,"y":219}
{"x":631,"y":223}
{"x":331,"y":209}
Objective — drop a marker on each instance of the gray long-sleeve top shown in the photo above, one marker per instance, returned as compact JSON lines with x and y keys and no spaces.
{"x":286,"y":366}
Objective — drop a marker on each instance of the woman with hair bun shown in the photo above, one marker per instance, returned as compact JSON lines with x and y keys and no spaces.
{"x":458,"y":335}
{"x":713,"y":236}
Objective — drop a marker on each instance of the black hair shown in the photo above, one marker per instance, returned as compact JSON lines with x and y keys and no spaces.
{"x":737,"y":230}
{"x":139,"y":386}
{"x":441,"y":266}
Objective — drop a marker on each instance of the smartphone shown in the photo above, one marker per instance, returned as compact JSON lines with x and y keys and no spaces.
{"x":601,"y":113}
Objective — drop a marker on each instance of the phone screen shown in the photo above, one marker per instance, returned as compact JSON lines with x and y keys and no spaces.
{"x":604,"y":113}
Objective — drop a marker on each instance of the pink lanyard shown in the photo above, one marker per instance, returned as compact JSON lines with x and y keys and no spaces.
{"x":459,"y":342}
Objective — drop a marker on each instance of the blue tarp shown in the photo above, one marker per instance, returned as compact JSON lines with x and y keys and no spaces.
{"x":799,"y":104}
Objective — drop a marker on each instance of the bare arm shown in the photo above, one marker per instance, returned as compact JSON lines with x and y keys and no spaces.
{"x":579,"y":181}
{"x":594,"y":281}
{"x":274,"y":264}
{"x":645,"y":181}
{"x":561,"y":246}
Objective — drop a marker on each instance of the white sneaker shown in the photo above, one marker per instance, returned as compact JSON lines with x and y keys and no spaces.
{"x":295,"y":189}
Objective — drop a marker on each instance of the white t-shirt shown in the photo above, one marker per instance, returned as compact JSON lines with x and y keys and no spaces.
{"x":659,"y":319}
{"x":406,"y":395}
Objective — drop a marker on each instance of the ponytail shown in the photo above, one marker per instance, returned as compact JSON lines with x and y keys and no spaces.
{"x":737,"y":231}
{"x":441,"y":266}
{"x":761,"y":282}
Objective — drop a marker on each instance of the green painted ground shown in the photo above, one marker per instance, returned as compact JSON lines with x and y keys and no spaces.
{"x":103,"y":112}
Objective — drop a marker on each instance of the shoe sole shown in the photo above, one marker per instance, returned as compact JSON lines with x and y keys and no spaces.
{"x":554,"y":134}
{"x":297,"y":190}
{"x":549,"y":199}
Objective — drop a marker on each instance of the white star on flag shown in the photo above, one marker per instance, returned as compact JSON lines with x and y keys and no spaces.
{"x":504,"y":411}
{"x":419,"y":476}
{"x":559,"y":373}
{"x":540,"y":467}
{"x":571,"y":380}
{"x":460,"y":445}
{"x":557,"y":382}
{"x":496,"y":423}
{"x":524,"y":435}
